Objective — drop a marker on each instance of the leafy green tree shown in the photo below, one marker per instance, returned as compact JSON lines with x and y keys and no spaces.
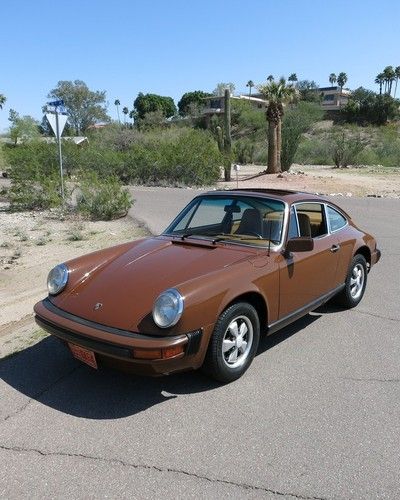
{"x":366,"y":107}
{"x":308,"y":91}
{"x":341,"y":80}
{"x":2,"y":100}
{"x":277,"y":94}
{"x":23,"y":128}
{"x":332,"y":79}
{"x":84,"y":106}
{"x":250,"y":84}
{"x":220,"y":88}
{"x":147,"y":103}
{"x":189,"y":100}
{"x":132,"y":116}
{"x":270,"y":78}
{"x":293,"y":78}
{"x":117,"y":104}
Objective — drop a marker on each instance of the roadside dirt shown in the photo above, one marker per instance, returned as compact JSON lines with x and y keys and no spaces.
{"x":359,"y":182}
{"x":31,"y":243}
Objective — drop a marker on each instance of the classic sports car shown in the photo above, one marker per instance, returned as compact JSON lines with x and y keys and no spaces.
{"x":231,"y":265}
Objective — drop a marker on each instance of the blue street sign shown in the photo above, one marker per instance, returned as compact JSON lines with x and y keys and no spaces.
{"x":56,"y":103}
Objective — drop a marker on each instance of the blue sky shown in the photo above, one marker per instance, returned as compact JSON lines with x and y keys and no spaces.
{"x":173,"y":46}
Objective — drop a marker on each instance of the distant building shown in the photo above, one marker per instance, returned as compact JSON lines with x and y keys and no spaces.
{"x":215,"y":105}
{"x":333,"y":98}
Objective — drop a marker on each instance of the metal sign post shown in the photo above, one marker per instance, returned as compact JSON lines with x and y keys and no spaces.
{"x":237,"y":168}
{"x":58,"y":130}
{"x":60,"y":155}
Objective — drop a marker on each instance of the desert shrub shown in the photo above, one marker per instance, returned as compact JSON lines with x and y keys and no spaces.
{"x":260,"y":153}
{"x":34,"y":173}
{"x":244,"y":150}
{"x":174,"y":156}
{"x":345,"y":148}
{"x":296,"y":121}
{"x":39,"y":193}
{"x":313,"y":151}
{"x":102,"y":199}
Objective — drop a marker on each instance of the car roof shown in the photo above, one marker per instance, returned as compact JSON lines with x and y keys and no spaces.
{"x":286,"y":195}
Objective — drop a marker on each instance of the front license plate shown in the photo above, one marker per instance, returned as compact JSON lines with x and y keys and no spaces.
{"x":84,"y":355}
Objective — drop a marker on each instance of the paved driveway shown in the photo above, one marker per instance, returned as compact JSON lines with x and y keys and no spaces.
{"x":316,"y":416}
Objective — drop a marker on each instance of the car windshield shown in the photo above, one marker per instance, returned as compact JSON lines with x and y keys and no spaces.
{"x":238,"y":219}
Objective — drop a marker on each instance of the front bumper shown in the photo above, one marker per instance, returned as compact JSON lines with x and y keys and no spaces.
{"x":375,"y":256}
{"x":116,"y":347}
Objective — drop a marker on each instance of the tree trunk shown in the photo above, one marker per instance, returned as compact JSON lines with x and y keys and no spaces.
{"x":278,"y":145}
{"x":272,"y":148}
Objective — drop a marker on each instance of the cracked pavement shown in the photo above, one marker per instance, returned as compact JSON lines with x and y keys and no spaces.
{"x":317,"y":416}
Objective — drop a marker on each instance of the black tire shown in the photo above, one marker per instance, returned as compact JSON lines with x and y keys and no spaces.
{"x":221,"y":365}
{"x":347,"y":298}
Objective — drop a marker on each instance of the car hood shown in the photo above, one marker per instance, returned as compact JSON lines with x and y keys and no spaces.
{"x":128,"y":280}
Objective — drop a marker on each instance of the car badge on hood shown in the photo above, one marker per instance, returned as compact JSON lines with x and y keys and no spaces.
{"x":98,"y":306}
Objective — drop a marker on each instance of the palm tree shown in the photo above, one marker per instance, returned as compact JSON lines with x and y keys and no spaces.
{"x":397,"y":73}
{"x":341,"y":80}
{"x":332,"y":79}
{"x":277,"y":94}
{"x":132,"y":115}
{"x":117,"y":104}
{"x":390,"y":77}
{"x":125,"y":110}
{"x":250,"y":84}
{"x":380,"y":78}
{"x":2,"y":100}
{"x":270,"y":78}
{"x":293,"y":78}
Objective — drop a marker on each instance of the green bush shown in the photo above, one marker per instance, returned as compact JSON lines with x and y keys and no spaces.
{"x":345,"y":148}
{"x":174,"y":156}
{"x":102,"y":199}
{"x":313,"y":151}
{"x":35,"y":179}
{"x":244,"y":151}
{"x":296,"y":121}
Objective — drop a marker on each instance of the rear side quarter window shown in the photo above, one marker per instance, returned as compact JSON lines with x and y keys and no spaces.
{"x":336,"y":220}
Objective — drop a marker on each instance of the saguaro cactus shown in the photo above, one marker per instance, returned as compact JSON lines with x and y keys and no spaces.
{"x":227,"y":134}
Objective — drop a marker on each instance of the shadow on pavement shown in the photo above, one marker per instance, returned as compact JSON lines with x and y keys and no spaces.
{"x":46,"y":372}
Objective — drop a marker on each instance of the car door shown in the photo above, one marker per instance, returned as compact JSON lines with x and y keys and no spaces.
{"x":306,"y":276}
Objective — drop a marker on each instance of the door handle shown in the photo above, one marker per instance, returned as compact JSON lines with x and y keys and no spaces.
{"x":335,"y":248}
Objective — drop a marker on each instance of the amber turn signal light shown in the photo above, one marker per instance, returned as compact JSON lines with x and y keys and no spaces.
{"x":165,"y":353}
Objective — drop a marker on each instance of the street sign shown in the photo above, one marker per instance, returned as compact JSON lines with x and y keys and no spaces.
{"x":52,"y":119}
{"x":60,"y":102}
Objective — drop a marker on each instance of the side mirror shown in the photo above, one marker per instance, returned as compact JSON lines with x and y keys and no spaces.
{"x":301,"y":244}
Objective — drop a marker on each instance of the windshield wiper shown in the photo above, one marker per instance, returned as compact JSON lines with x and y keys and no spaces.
{"x":186,"y":235}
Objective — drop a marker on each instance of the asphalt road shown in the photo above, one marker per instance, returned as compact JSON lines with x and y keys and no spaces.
{"x":316,"y":416}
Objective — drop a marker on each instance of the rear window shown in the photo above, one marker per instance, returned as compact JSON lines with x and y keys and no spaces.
{"x":336,"y":220}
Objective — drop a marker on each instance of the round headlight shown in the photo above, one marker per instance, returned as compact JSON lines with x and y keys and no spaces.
{"x":57,"y":279}
{"x":168,"y":308}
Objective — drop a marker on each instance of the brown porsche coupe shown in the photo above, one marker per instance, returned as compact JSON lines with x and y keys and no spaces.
{"x":231,"y":265}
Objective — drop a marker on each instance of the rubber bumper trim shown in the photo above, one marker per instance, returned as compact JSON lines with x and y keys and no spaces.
{"x":94,"y":345}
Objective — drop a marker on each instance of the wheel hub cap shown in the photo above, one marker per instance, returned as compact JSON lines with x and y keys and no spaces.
{"x":237,"y":342}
